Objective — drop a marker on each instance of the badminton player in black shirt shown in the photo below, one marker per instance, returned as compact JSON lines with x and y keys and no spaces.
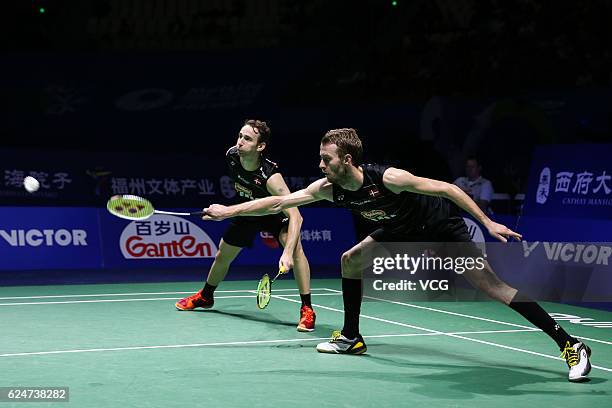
{"x":255,"y":176}
{"x":402,"y":208}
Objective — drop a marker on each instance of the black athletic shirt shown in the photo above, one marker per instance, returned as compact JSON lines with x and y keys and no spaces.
{"x":381,"y":207}
{"x":249,"y":185}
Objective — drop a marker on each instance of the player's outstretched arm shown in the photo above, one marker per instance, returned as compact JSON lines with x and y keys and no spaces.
{"x":277,"y":187}
{"x":398,"y":180}
{"x":317,"y":191}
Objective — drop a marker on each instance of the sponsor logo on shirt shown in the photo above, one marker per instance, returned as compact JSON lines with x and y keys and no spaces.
{"x":363,"y":202}
{"x":376,"y":215}
{"x":243,"y":191}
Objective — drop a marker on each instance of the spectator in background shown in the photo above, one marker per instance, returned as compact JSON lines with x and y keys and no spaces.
{"x":476,"y":186}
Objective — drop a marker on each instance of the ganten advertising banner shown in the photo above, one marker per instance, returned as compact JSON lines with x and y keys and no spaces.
{"x":54,"y":238}
{"x":165,"y":240}
{"x":161,"y":240}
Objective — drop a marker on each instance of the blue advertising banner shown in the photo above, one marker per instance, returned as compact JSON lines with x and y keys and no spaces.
{"x":559,"y":259}
{"x":564,"y":229}
{"x":159,"y":241}
{"x":571,"y":181}
{"x":91,"y":178}
{"x":49,"y":238}
{"x":171,"y":241}
{"x":556,"y":271}
{"x":549,"y":271}
{"x":326,"y":234}
{"x":545,"y":229}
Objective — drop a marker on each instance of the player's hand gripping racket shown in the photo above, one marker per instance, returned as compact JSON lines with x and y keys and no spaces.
{"x":131,"y":207}
{"x":264,"y":288}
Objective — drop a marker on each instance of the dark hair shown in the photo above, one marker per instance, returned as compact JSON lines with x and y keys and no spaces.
{"x":263,"y":130}
{"x":473,"y":157}
{"x":347,"y":141}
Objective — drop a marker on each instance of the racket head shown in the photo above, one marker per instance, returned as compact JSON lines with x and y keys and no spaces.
{"x":130,"y":207}
{"x":264,"y":291}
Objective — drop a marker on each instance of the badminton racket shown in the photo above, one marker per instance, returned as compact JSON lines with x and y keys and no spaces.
{"x":264,"y":288}
{"x":131,"y":207}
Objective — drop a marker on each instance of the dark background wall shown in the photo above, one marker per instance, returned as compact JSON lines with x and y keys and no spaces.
{"x":426,"y":83}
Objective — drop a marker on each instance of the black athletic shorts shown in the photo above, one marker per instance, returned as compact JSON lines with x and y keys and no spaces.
{"x":452,"y":229}
{"x":242,"y":230}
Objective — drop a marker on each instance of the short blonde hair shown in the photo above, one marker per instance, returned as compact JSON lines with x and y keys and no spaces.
{"x":347,"y":141}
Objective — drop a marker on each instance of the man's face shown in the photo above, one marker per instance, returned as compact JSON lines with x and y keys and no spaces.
{"x":331,"y":164}
{"x":247,"y":142}
{"x":472,"y":169}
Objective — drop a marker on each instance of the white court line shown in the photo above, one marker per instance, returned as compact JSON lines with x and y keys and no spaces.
{"x":438,"y":334}
{"x":65,"y":302}
{"x":474,"y":317}
{"x":231,"y":343}
{"x":467,"y":316}
{"x":446,"y":334}
{"x":140,"y":293}
{"x":441,"y":311}
{"x":284,"y":297}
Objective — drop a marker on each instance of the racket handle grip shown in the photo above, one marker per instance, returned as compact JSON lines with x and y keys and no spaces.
{"x":198,"y":213}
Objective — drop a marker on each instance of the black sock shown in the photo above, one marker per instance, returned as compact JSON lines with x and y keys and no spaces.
{"x":533,"y":312}
{"x":208,"y":291}
{"x":306,"y":300}
{"x":351,"y":295}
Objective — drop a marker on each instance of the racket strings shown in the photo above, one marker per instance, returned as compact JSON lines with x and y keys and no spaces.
{"x":130,"y":207}
{"x":263,"y":292}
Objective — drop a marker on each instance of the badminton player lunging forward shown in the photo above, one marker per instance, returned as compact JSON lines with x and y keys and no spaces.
{"x":255,"y":176}
{"x":403,"y":208}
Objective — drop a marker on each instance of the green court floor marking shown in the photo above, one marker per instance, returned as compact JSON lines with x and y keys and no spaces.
{"x":242,"y":343}
{"x":402,"y":368}
{"x":551,"y":307}
{"x":170,"y":346}
{"x":144,"y":293}
{"x":365,"y":316}
{"x":247,"y":295}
